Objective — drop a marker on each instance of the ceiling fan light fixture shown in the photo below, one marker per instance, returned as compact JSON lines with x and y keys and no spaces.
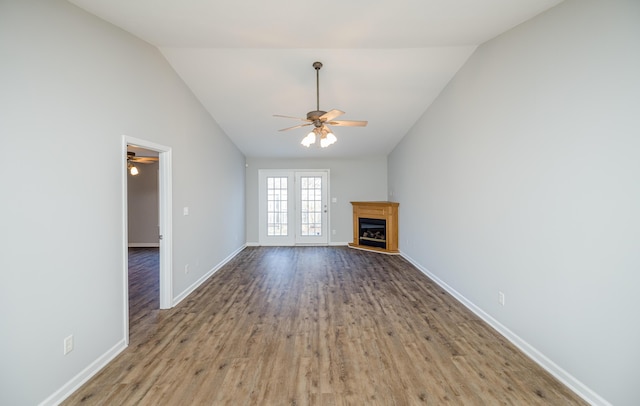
{"x":327,"y":139}
{"x":309,"y":139}
{"x":132,"y":169}
{"x":319,"y":118}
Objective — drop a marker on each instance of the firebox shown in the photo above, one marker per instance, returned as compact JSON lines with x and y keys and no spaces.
{"x":373,"y":232}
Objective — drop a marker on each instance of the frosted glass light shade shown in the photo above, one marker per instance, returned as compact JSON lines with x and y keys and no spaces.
{"x":328,"y":140}
{"x":309,"y":139}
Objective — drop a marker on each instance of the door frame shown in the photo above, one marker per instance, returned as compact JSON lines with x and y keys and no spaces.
{"x":263,"y":239}
{"x":164,"y":223}
{"x":312,"y":240}
{"x":292,"y":239}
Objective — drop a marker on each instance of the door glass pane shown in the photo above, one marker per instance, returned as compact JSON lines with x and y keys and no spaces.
{"x":277,"y":206}
{"x":311,"y":206}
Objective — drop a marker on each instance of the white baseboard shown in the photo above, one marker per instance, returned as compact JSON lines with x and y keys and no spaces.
{"x":337,"y":244}
{"x":563,"y":376}
{"x":333,"y":244}
{"x":206,"y":276}
{"x":86,"y":374}
{"x":144,"y":244}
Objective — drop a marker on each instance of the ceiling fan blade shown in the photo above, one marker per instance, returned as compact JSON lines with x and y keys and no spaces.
{"x":295,"y":118}
{"x":144,"y":159}
{"x":330,"y":115}
{"x":349,"y":123}
{"x":295,"y":126}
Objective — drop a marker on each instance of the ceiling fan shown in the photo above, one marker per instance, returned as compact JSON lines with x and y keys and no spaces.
{"x":321,"y":119}
{"x":132,"y":158}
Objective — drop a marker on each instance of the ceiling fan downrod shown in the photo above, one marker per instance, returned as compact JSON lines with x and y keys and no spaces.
{"x":322,"y":119}
{"x":317,"y":66}
{"x":314,"y":116}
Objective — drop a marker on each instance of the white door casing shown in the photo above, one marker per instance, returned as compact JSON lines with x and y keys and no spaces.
{"x":293,"y":207}
{"x":165,"y":224}
{"x":276,"y":203}
{"x":311,"y":208}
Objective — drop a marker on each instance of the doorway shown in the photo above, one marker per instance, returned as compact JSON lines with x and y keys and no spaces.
{"x":293,"y":207}
{"x":164,"y":236}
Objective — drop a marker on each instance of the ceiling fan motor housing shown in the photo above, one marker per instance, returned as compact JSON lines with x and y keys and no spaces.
{"x":315,"y":115}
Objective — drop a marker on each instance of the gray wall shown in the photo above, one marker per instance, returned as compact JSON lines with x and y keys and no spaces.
{"x":142,"y":206}
{"x":349,"y":180}
{"x":523,"y":177}
{"x":72,"y":86}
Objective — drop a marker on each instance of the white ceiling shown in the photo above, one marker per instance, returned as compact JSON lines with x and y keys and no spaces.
{"x":385,"y":61}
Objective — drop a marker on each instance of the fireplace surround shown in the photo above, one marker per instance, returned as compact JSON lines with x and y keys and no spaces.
{"x":375,"y":226}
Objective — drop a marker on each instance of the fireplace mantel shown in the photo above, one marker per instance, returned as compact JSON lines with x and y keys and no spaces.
{"x":387,"y":211}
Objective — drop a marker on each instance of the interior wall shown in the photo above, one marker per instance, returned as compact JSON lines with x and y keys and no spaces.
{"x":357,"y":179}
{"x":72,"y":83}
{"x":522,"y":177}
{"x":142,"y":206}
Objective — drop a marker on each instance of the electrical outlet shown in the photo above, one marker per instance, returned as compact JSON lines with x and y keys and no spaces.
{"x":186,"y":269}
{"x":68,"y":345}
{"x":333,"y":232}
{"x":501,"y":298}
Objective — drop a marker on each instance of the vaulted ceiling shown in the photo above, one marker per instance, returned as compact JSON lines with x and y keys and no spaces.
{"x":385,"y":61}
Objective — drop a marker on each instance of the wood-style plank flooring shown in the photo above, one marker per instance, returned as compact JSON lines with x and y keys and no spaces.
{"x":316,"y":326}
{"x":144,"y":293}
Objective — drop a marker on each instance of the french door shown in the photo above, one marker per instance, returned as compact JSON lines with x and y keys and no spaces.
{"x":293,"y":207}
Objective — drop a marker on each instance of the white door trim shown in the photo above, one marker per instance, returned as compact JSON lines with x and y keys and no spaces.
{"x":312,"y":240}
{"x":165,"y":224}
{"x":263,"y":238}
{"x":293,"y":237}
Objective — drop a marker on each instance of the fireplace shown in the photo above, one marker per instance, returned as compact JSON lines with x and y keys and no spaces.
{"x":372,"y":232}
{"x":375,"y":226}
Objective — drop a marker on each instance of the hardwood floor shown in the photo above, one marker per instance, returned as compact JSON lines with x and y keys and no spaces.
{"x":318,"y":326}
{"x":144,"y":293}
